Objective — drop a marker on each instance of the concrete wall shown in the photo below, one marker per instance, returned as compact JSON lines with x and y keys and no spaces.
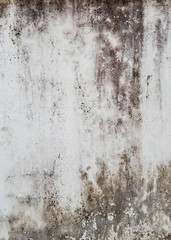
{"x":85,"y":129}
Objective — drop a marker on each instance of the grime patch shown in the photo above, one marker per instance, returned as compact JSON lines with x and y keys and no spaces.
{"x":112,"y":208}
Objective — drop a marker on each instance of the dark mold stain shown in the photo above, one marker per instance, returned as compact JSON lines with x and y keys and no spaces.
{"x":114,"y":195}
{"x":135,"y":88}
{"x":34,"y":15}
{"x":125,"y":23}
{"x":3,"y":9}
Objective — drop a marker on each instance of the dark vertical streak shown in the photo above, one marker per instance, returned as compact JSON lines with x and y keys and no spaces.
{"x":137,"y":40}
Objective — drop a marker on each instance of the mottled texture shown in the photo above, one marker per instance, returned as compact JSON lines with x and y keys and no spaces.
{"x":85,"y":126}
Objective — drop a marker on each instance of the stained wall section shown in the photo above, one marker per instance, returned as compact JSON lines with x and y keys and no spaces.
{"x":85,"y":120}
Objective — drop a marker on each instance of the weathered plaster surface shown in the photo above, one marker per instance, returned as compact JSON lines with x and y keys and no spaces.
{"x":85,"y":130}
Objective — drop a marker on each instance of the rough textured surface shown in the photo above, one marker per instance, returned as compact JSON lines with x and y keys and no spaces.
{"x":85,"y":126}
